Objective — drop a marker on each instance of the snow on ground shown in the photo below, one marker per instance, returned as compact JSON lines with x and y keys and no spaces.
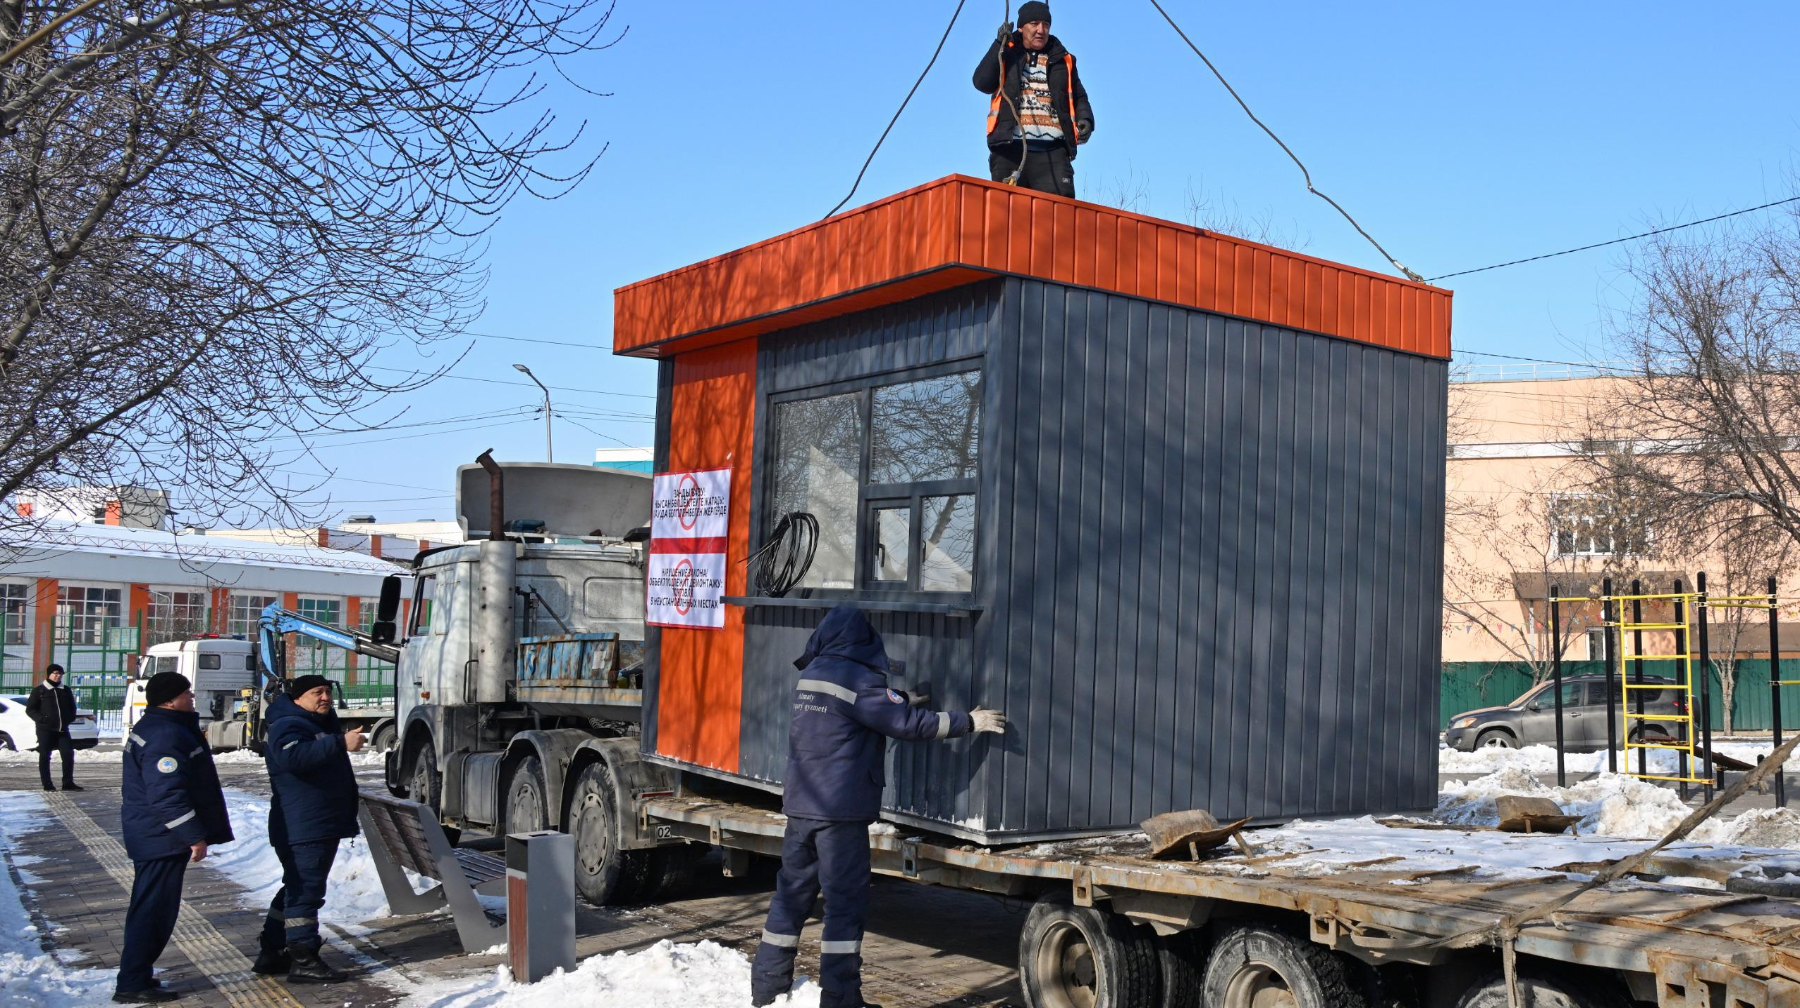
{"x":30,"y":977}
{"x":109,"y":756}
{"x":1542,"y":758}
{"x":702,"y":975}
{"x":1616,"y":805}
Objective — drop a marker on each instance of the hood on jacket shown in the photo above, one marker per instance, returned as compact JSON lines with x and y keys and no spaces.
{"x":284,"y":707}
{"x":845,"y":633}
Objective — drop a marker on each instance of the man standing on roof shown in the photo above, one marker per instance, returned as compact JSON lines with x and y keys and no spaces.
{"x":308,"y":756}
{"x":171,"y":809}
{"x":1052,"y":112}
{"x":844,"y":713}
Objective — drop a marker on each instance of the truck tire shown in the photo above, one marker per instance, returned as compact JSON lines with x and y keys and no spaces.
{"x":604,"y":874}
{"x":1181,"y":958}
{"x":1256,"y":965}
{"x":527,"y":798}
{"x":1080,"y":957}
{"x":1495,"y":738}
{"x":1541,"y":988}
{"x":671,"y":869}
{"x":424,"y":784}
{"x":383,"y":739}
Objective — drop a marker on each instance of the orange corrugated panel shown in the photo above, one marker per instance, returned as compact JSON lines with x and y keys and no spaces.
{"x":700,"y":672}
{"x":973,"y":224}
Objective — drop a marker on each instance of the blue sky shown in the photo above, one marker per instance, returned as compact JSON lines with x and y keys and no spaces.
{"x":1459,"y":135}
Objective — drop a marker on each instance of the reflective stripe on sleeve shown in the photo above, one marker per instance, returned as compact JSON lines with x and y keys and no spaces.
{"x":943,"y":724}
{"x":290,"y":745}
{"x":196,"y":752}
{"x":139,"y":739}
{"x":840,"y":947}
{"x":300,"y":921}
{"x":177,"y":822}
{"x":781,"y":940}
{"x":821,"y":686}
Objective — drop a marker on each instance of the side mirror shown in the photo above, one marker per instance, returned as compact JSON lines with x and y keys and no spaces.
{"x":383,"y":630}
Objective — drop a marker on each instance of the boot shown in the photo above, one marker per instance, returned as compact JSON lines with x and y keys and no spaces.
{"x":272,"y":962}
{"x":70,"y":785}
{"x":49,"y":787}
{"x":308,"y":967}
{"x":149,"y":995}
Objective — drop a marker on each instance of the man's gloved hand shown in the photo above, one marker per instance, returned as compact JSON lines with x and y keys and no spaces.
{"x":988,"y":721}
{"x":1084,"y":130}
{"x":918,"y":698}
{"x":1004,"y":33}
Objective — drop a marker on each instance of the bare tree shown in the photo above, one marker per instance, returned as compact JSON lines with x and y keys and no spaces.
{"x":215,"y":213}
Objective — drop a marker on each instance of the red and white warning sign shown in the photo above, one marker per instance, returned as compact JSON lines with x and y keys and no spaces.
{"x":689,"y":519}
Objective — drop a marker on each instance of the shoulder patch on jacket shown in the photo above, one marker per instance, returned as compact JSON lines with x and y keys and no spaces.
{"x":895,"y":697}
{"x":167,"y":764}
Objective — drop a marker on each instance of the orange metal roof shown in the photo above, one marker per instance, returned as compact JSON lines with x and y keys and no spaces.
{"x":958,"y":230}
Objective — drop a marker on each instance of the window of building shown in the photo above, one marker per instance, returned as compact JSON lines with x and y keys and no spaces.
{"x":1596,"y":644}
{"x":13,"y":597}
{"x":246,"y":612}
{"x":1595,"y":527}
{"x":328,"y":611}
{"x":84,"y":614}
{"x":175,"y":615}
{"x":889,"y":471}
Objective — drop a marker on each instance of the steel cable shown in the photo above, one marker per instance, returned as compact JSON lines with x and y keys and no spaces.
{"x":777,"y":568}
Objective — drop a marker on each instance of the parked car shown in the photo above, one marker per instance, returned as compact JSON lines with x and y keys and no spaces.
{"x":1531,"y":719}
{"x":17,"y":731}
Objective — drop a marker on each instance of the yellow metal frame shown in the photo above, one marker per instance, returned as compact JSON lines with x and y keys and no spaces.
{"x":1684,"y":682}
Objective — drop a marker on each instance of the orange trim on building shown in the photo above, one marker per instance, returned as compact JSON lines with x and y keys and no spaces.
{"x":700,"y":683}
{"x":43,"y":623}
{"x":959,"y":229}
{"x":137,"y":612}
{"x":115,"y":512}
{"x":352,"y":620}
{"x":218,"y":611}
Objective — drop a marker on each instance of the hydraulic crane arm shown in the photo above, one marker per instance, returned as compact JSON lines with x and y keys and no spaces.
{"x":277,"y":621}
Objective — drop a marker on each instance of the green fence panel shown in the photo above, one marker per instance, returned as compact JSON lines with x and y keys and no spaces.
{"x":1472,"y":685}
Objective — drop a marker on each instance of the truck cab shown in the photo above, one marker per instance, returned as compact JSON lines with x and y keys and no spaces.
{"x":219,"y":667}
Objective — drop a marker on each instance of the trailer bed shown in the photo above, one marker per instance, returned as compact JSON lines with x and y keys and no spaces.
{"x":1680,"y":945}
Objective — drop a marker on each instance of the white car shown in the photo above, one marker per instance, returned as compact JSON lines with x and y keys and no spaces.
{"x":18,"y":731}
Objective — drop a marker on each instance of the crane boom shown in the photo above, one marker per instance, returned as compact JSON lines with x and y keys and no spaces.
{"x":276,"y":621}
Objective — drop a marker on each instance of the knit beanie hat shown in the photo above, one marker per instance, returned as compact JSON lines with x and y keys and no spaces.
{"x":298,"y":687}
{"x":1034,"y":11}
{"x":165,"y":686}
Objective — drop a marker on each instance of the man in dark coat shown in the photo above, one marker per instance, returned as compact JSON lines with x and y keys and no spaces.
{"x":1041,"y":106}
{"x":843,"y":715}
{"x":171,"y":809}
{"x":51,"y":707}
{"x":314,"y":806}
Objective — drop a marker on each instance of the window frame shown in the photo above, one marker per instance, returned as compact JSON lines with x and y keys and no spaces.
{"x":15,"y":613}
{"x":873,"y":497}
{"x":1568,"y":510}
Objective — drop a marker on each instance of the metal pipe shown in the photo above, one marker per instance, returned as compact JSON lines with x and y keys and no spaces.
{"x":1556,"y":651}
{"x":1705,"y":713}
{"x":496,"y":494}
{"x":549,"y":453}
{"x":1607,"y":608}
{"x":1681,"y":648}
{"x":1637,"y":671}
{"x":1775,"y":688}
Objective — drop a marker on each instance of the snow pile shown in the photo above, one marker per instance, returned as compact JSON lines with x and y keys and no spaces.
{"x":1615,"y":805}
{"x":703,"y":975}
{"x":30,"y":978}
{"x":1542,"y":758}
{"x":29,"y":755}
{"x":365,"y":758}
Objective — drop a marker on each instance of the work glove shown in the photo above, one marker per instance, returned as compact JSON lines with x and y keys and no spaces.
{"x":1005,"y":32}
{"x":988,"y":721}
{"x":1084,"y":130}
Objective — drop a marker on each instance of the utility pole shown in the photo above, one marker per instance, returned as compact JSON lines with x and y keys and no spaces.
{"x":549,"y":455}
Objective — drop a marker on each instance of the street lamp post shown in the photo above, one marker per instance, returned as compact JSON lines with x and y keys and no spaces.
{"x":549,"y":454}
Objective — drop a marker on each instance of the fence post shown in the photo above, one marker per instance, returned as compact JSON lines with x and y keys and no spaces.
{"x":1556,"y":678}
{"x":1607,"y":609}
{"x":1775,"y":688}
{"x":1703,"y":615}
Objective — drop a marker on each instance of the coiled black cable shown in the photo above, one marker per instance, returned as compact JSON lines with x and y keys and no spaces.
{"x":778,"y":567}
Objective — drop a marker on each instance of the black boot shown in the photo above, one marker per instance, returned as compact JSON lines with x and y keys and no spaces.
{"x":272,"y":962}
{"x":308,"y":967}
{"x":49,"y":786}
{"x":149,"y":995}
{"x":70,"y":785}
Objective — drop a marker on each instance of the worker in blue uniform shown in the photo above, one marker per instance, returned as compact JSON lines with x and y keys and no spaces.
{"x":843,"y":714}
{"x":171,"y":810}
{"x":308,"y":757}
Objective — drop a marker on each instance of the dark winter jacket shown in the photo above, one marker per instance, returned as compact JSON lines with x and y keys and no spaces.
{"x":843,"y":708}
{"x":51,"y":707}
{"x":1066,"y":92}
{"x":169,"y":790}
{"x":310,"y":773}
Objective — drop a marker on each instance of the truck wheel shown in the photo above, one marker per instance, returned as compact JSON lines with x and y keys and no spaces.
{"x":604,"y":874}
{"x":527,"y":807}
{"x":1182,"y":961}
{"x":1080,"y":957}
{"x":1494,"y":738}
{"x":671,"y":868}
{"x":425,"y":785}
{"x":383,"y":740}
{"x":1542,"y":989}
{"x":1258,"y":966}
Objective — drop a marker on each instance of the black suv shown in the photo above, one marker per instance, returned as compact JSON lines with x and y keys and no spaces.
{"x":1531,"y":719}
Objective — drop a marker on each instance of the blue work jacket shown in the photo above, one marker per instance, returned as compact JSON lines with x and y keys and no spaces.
{"x":310,"y":773}
{"x":169,"y":794}
{"x":844,"y":713}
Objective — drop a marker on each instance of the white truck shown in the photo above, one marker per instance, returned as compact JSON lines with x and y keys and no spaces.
{"x":220,"y":668}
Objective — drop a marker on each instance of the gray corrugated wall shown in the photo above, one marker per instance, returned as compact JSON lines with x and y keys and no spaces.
{"x":1210,"y":556}
{"x":1219,"y":584}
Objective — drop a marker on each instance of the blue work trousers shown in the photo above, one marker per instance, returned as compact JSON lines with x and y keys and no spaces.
{"x":293,"y":918}
{"x":150,"y":919}
{"x":816,"y":856}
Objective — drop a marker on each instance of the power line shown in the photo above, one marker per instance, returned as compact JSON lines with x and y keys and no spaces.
{"x":1615,"y":241}
{"x":436,"y":433}
{"x":909,"y":96}
{"x":1410,"y":275}
{"x":497,"y":381}
{"x":551,"y":342}
{"x":590,"y":430}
